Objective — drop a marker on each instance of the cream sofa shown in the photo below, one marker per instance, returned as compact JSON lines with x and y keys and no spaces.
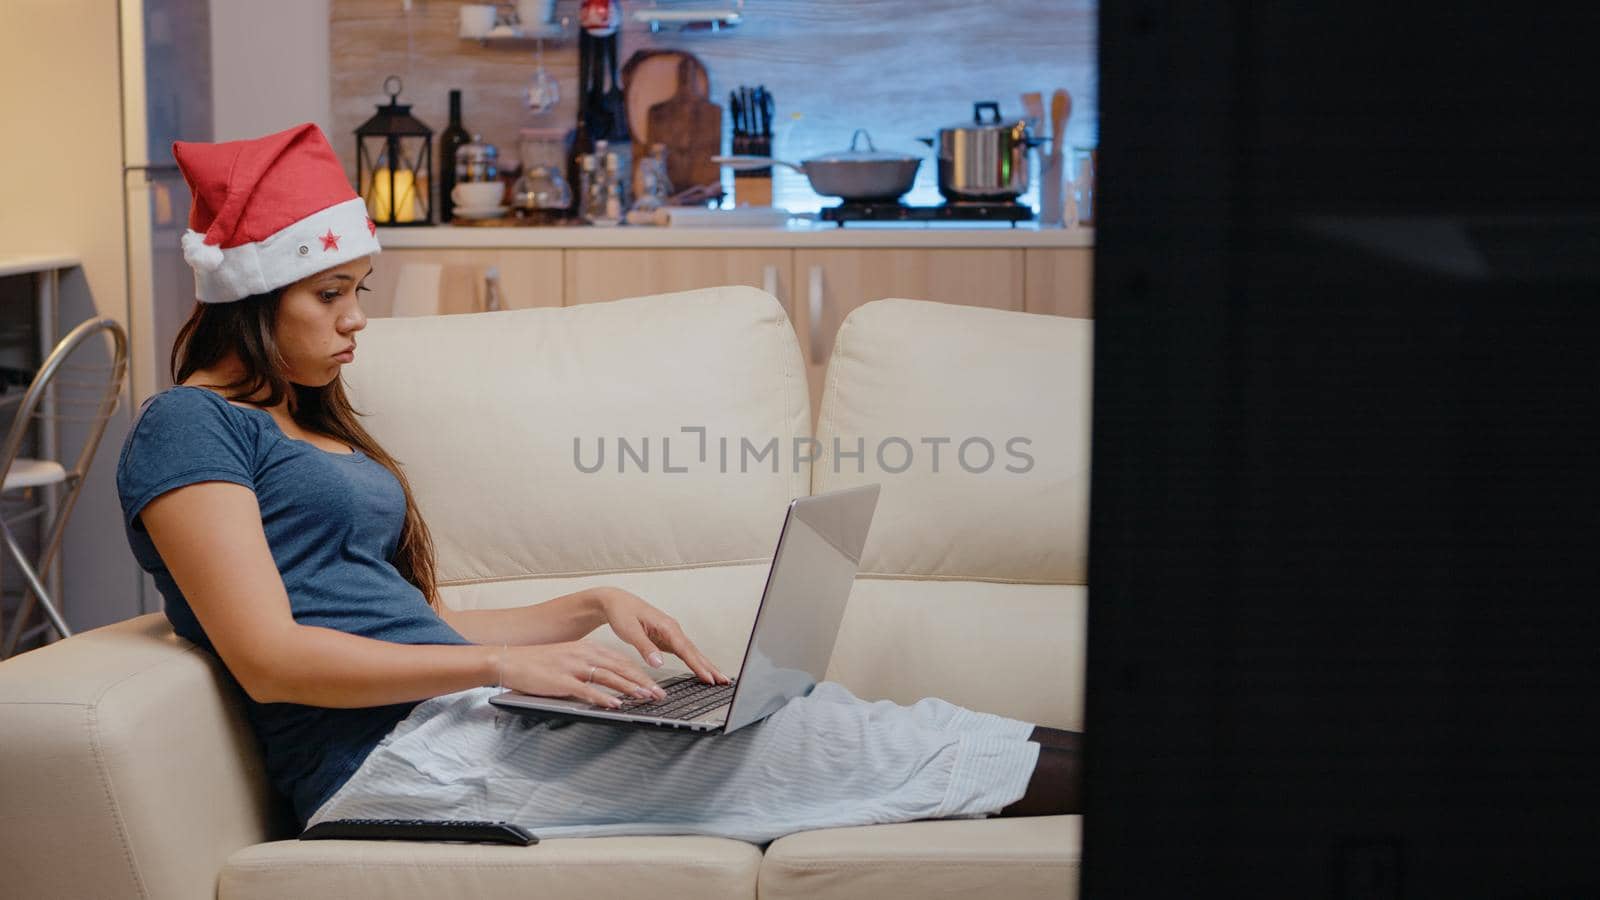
{"x":126,"y":769}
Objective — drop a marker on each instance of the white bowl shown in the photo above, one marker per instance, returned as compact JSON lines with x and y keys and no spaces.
{"x":478,"y":194}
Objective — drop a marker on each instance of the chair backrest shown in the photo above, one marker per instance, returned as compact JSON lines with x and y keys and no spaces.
{"x":440,"y":288}
{"x":417,"y":290}
{"x":71,"y":389}
{"x":69,"y":392}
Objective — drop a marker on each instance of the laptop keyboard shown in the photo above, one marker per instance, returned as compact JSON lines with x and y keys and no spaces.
{"x":686,"y":698}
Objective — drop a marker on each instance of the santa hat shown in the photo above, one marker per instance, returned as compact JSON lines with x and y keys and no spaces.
{"x":268,"y":212}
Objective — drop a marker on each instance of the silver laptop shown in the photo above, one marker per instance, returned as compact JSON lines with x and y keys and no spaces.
{"x":819,"y":549}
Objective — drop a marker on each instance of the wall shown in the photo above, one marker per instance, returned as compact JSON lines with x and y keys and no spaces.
{"x":61,"y":192}
{"x":900,"y":68}
{"x":269,"y":66}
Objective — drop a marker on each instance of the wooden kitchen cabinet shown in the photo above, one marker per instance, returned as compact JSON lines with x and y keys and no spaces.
{"x":527,"y":278}
{"x":1059,"y":282}
{"x":830,"y":283}
{"x":818,"y":285}
{"x":597,"y":275}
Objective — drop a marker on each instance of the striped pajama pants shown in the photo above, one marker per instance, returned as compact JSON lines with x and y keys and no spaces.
{"x":824,"y":760}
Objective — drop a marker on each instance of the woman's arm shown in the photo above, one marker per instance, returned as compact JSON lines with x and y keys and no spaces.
{"x":565,"y":618}
{"x":571,"y":616}
{"x":210,"y":536}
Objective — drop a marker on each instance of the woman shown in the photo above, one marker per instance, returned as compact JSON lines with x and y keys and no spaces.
{"x":285,"y":540}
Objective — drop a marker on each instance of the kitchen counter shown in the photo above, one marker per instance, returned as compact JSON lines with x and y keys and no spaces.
{"x":801,"y":235}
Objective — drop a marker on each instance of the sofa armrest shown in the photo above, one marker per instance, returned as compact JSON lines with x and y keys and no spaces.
{"x":127,"y":767}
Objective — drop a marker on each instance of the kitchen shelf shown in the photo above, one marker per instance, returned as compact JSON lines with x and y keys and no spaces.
{"x":519,"y":34}
{"x":712,"y":19}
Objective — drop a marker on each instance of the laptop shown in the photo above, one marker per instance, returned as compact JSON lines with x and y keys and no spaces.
{"x":797,"y":621}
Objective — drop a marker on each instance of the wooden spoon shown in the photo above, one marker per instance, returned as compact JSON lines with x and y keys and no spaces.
{"x":1060,"y":110}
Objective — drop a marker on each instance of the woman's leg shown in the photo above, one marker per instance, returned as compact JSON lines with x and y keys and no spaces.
{"x":1057,"y":738}
{"x":1057,"y":783}
{"x":1054,"y":789}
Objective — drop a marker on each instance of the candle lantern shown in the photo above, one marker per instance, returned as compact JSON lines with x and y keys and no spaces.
{"x":393,"y":159}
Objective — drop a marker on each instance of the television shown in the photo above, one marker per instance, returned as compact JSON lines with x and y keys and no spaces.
{"x":1344,"y":600}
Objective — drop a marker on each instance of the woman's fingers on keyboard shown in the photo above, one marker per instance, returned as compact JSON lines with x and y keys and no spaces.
{"x":683,"y":648}
{"x":622,"y":685}
{"x":621,"y":665}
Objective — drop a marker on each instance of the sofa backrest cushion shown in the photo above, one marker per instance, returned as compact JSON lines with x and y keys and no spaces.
{"x":976,"y":423}
{"x":495,"y":416}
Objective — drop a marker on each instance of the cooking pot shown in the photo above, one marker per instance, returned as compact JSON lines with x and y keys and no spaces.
{"x":984,"y":159}
{"x":853,"y":174}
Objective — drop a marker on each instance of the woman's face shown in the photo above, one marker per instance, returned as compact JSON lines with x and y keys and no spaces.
{"x":318,"y":318}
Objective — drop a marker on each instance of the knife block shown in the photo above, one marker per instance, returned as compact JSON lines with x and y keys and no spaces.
{"x":752,"y":189}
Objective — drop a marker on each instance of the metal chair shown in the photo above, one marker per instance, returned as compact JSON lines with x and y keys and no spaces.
{"x":37,"y":480}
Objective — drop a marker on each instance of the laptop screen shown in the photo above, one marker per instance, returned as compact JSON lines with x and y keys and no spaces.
{"x":818,"y":553}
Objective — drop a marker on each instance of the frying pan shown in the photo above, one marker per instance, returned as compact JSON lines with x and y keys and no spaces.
{"x":856,"y":175}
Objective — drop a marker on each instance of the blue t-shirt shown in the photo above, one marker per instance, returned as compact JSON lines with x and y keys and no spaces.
{"x":332,"y":522}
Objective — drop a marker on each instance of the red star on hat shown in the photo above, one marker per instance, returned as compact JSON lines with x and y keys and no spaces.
{"x":330,"y":241}
{"x":372,"y":227}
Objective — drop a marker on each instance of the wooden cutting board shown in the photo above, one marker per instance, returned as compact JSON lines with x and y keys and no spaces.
{"x":691,"y":127}
{"x":650,"y":76}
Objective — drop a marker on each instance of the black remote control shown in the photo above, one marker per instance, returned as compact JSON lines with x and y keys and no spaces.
{"x":420,"y":830}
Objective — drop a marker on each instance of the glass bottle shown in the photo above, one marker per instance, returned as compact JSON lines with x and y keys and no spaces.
{"x":450,"y":140}
{"x":613,"y":180}
{"x":654,"y":185}
{"x":591,"y":189}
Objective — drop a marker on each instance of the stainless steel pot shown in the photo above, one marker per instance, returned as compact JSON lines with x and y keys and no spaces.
{"x":984,"y":160}
{"x":869,"y":174}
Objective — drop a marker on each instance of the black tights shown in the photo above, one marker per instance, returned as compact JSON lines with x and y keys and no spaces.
{"x":1057,"y":783}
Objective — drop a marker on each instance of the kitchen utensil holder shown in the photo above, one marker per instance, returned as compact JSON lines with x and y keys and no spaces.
{"x":1052,"y":210}
{"x":752,"y":187}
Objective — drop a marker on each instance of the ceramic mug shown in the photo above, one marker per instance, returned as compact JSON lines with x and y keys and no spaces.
{"x":534,"y":13}
{"x":477,"y":19}
{"x":477,"y":195}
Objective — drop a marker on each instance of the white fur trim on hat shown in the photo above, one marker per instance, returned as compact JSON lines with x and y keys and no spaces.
{"x":200,"y":254}
{"x":318,"y":242}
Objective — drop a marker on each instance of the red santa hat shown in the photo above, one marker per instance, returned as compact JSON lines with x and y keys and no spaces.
{"x":268,"y":212}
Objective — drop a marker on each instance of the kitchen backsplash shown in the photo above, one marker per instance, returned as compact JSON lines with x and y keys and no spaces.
{"x":899,"y":68}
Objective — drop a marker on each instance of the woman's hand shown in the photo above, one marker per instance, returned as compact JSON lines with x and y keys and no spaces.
{"x":575,"y":670}
{"x":650,"y":631}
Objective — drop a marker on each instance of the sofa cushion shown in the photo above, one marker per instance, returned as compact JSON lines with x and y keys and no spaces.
{"x":1013,"y":388}
{"x":1019,"y":859}
{"x":573,"y":869}
{"x":1010,"y":649}
{"x":716,"y":605}
{"x":485,"y":413}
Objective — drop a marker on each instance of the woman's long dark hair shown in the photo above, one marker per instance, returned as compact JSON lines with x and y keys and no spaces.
{"x":244,"y":327}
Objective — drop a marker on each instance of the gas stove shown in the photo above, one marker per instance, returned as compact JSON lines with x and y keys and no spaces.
{"x":954,"y":211}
